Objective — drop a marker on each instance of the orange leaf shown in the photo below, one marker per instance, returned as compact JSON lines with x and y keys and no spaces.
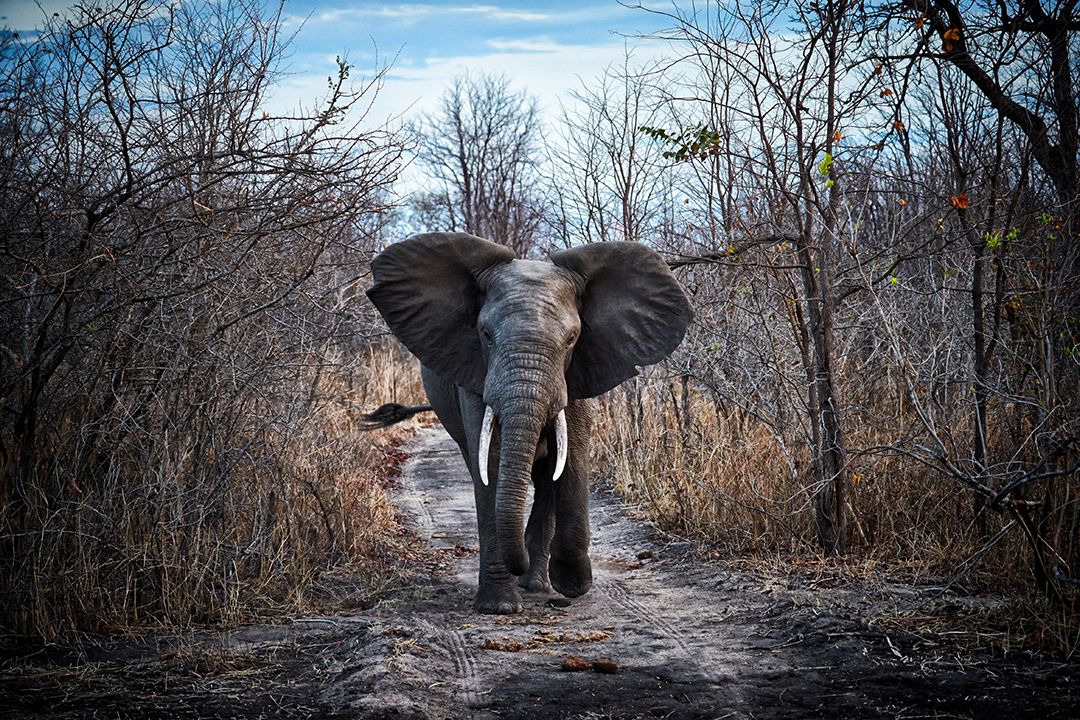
{"x":949,"y":39}
{"x":960,"y":202}
{"x":920,"y":22}
{"x":899,"y":125}
{"x":836,"y":136}
{"x":886,"y":92}
{"x":877,"y":68}
{"x":902,"y":202}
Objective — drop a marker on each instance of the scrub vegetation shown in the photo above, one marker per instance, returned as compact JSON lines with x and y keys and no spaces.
{"x":873,"y":207}
{"x":184,"y":357}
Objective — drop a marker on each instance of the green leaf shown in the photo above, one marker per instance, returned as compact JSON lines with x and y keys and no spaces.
{"x":825,"y":166}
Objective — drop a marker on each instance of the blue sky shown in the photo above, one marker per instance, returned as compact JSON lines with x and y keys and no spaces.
{"x":548,"y":48}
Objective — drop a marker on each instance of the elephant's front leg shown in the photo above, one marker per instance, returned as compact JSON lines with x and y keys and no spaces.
{"x":541,"y":528}
{"x":570,"y":569}
{"x":498,"y":591}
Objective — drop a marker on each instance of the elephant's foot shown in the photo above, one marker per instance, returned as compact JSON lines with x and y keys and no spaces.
{"x":536,"y":582}
{"x":500,"y":600}
{"x":571,"y":576}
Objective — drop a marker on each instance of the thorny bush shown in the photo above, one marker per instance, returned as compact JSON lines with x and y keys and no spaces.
{"x":182,"y":345}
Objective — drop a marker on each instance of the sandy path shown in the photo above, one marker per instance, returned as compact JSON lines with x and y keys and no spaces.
{"x":667,"y":641}
{"x":689,"y":640}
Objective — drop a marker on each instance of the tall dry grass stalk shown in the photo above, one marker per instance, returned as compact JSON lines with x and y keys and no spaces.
{"x":710,"y":474}
{"x":713,"y":473}
{"x":180,"y":529}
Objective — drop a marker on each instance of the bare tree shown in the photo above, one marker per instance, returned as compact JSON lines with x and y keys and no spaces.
{"x":176,"y":314}
{"x":1022,"y":58}
{"x":868,"y":217}
{"x":996,"y":81}
{"x":607,"y":181}
{"x":482,"y":147}
{"x":777,"y":117}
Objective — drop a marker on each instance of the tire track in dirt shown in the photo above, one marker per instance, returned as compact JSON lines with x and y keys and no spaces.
{"x":650,"y":622}
{"x":414,"y":504}
{"x":464,"y":664}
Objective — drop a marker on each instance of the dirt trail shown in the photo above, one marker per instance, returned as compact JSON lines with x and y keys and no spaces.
{"x":669,"y":642}
{"x":688,"y":640}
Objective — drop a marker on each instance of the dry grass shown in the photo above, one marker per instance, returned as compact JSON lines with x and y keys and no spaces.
{"x":727,"y":482}
{"x":721,"y":477}
{"x":718,"y":478}
{"x":171,"y":538}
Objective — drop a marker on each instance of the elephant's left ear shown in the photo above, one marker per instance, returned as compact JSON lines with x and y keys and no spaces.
{"x":633,"y":312}
{"x":427,"y":289}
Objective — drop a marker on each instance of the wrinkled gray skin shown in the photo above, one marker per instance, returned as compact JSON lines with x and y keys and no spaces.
{"x":529,"y":339}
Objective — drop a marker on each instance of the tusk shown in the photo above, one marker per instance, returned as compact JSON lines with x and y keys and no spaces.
{"x":485,"y":443}
{"x":560,"y":445}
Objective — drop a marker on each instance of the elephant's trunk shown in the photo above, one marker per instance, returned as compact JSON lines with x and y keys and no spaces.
{"x":520,"y":431}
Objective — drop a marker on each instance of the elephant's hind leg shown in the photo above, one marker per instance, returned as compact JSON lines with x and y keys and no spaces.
{"x":540,"y":530}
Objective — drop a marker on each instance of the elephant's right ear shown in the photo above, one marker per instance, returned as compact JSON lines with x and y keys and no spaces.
{"x":426,"y":289}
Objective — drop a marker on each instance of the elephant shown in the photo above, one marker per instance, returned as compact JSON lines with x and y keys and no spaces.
{"x":511,"y":352}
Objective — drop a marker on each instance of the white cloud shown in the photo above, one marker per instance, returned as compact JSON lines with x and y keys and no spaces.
{"x":545,"y":68}
{"x":415,"y":12}
{"x":536,"y":45}
{"x":520,"y":15}
{"x":411,"y":14}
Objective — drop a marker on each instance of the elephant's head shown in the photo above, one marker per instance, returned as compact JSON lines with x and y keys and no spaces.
{"x":528,"y":336}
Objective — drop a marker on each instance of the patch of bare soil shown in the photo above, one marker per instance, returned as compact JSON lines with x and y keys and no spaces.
{"x":661,"y":635}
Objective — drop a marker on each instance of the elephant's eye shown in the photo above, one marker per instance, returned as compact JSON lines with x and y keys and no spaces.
{"x":571,"y":340}
{"x":486,"y":334}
